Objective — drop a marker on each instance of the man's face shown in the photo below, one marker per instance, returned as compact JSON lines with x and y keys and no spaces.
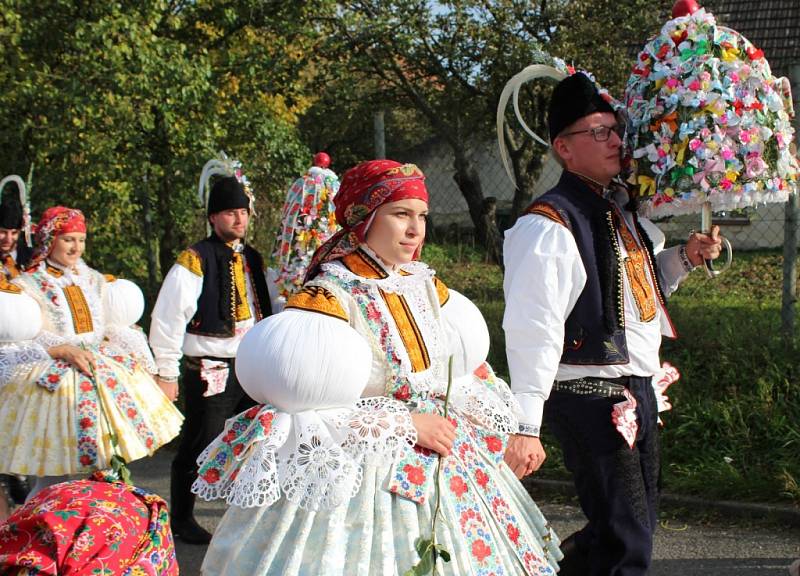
{"x":8,"y":239}
{"x":230,"y":225}
{"x":583,"y":154}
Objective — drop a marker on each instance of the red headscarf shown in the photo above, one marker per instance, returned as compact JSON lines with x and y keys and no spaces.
{"x":364,"y":188}
{"x":54,"y":222}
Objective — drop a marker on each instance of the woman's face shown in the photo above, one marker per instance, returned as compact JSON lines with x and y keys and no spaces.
{"x":397,"y":231}
{"x":68,"y":248}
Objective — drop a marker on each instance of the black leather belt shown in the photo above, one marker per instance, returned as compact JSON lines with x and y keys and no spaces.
{"x":607,"y":388}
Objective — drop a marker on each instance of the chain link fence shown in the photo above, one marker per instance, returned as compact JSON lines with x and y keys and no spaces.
{"x":752,"y":229}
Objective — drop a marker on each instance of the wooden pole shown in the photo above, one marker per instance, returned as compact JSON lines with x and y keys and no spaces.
{"x":789,"y":296}
{"x":379,"y":136}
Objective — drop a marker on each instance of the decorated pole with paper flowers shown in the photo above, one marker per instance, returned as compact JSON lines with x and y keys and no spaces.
{"x":709,"y":125}
{"x":307,"y":221}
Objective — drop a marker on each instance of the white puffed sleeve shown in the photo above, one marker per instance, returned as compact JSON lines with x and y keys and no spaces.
{"x":476,"y":391}
{"x":123,"y":304}
{"x":310,"y":438}
{"x":20,"y":323}
{"x":299,"y":360}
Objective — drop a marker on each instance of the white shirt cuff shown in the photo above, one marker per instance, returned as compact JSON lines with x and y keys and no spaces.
{"x":531,"y":416}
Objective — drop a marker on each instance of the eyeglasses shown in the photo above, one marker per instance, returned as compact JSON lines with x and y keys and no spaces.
{"x":601,"y":133}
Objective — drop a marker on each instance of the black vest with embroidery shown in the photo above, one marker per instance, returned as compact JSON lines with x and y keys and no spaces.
{"x":595,"y":329}
{"x":216,"y":304}
{"x":24,"y":254}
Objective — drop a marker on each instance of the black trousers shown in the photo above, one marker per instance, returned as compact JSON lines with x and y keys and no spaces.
{"x":205,"y":418}
{"x":617,"y":486}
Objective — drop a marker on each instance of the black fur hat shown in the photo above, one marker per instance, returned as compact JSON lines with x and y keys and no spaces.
{"x":573,"y":98}
{"x":227,"y":193}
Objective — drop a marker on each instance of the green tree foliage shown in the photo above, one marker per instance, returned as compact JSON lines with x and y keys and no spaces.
{"x":438,"y":68}
{"x":118,"y":105}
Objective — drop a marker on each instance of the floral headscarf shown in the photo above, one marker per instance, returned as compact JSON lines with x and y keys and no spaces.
{"x":89,"y":527}
{"x":364,"y":188}
{"x":55,"y":221}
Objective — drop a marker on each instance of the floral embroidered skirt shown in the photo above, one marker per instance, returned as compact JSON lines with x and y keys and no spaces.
{"x":487,"y":521}
{"x":55,"y":420}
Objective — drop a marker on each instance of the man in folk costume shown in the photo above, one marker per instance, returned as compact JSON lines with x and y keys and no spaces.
{"x":585,"y":312}
{"x":215,"y":292}
{"x":14,"y":255}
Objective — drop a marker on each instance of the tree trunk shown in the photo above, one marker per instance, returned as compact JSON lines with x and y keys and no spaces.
{"x":481,"y":212}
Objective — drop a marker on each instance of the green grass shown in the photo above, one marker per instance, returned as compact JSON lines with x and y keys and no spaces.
{"x":734,"y":430}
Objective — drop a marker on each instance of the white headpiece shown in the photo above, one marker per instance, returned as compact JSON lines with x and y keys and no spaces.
{"x":23,"y":200}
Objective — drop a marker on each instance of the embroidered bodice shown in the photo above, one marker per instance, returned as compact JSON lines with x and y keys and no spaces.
{"x":71,"y":301}
{"x":398,"y":312}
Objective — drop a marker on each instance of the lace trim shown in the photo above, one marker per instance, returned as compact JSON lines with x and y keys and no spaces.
{"x":313,"y":458}
{"x":131,"y":340}
{"x":418,"y":273}
{"x":17,"y":357}
{"x":47,"y":339}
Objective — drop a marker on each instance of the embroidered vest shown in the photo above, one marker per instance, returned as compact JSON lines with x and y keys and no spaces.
{"x":217,"y":304}
{"x":595,"y":329}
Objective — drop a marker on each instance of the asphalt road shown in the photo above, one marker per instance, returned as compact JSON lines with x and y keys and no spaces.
{"x":685,"y":546}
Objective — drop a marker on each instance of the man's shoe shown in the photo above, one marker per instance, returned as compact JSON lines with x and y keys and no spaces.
{"x":794,"y":569}
{"x":575,"y":562}
{"x":189,"y":531}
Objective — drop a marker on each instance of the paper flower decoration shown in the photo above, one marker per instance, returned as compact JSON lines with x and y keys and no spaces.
{"x":307,"y":221}
{"x":708,"y":121}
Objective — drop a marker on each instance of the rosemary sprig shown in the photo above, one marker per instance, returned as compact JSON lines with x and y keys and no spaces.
{"x":427,"y":548}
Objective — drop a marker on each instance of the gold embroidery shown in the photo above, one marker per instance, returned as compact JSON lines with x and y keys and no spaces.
{"x":547,"y":211}
{"x":190,"y":260}
{"x":109,"y":277}
{"x":360,"y":263}
{"x":409,"y":331}
{"x":6,"y":286}
{"x":53,"y":271}
{"x":12,"y":271}
{"x":81,"y":315}
{"x":241,"y":306}
{"x":636,"y":269}
{"x":441,"y":291}
{"x":317,"y":299}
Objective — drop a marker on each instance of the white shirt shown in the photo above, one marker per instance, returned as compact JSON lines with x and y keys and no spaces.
{"x":544,"y":276}
{"x":175,"y":307}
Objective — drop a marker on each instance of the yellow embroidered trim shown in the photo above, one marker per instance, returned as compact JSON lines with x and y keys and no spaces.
{"x":81,"y":315}
{"x":636,"y":269}
{"x":6,"y":286}
{"x":109,"y":277}
{"x":547,"y":211}
{"x":409,"y":331}
{"x":53,"y":271}
{"x":360,"y":263}
{"x":12,"y":271}
{"x":317,"y":299}
{"x":190,"y":260}
{"x":240,"y":304}
{"x":441,"y":291}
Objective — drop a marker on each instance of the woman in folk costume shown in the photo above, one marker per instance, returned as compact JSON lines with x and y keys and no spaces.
{"x":75,"y":384}
{"x":349,"y":466}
